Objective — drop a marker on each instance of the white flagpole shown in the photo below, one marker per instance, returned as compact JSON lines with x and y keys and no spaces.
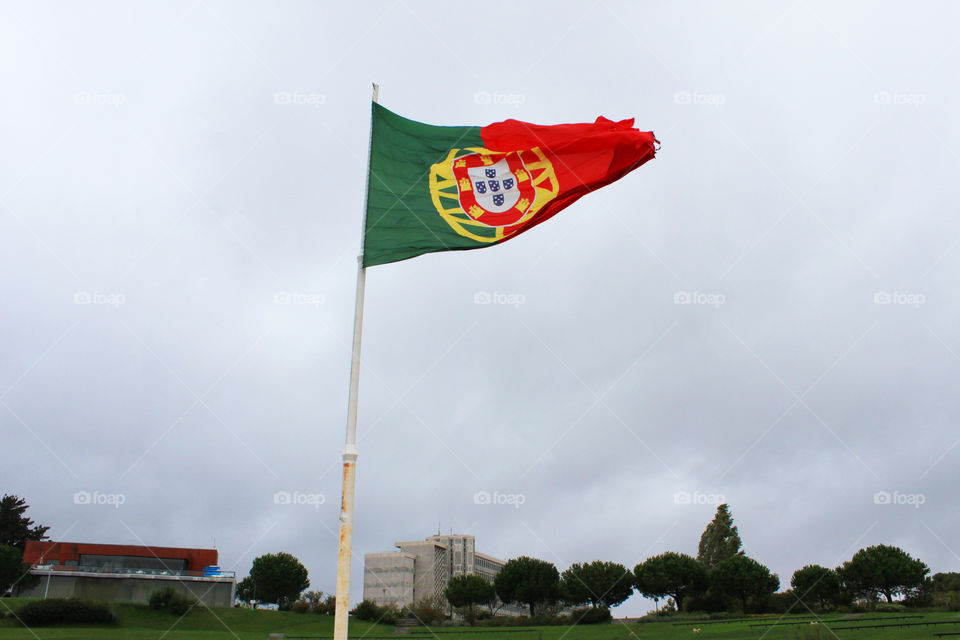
{"x":342,"y":611}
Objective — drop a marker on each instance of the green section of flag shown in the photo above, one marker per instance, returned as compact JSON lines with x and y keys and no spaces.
{"x":401,"y":220}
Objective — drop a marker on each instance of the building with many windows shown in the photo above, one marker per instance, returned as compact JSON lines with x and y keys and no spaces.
{"x":126,"y":573}
{"x":420,"y":570}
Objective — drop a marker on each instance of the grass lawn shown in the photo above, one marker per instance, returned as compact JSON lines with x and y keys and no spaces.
{"x":139,"y":622}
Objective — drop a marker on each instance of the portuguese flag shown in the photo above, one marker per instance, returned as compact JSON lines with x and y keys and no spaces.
{"x":454,"y":188}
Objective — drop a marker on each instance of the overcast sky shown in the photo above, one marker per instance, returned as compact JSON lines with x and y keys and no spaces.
{"x":181,"y":194}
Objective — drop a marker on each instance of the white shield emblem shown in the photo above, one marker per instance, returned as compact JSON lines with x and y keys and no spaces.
{"x":494,"y":186}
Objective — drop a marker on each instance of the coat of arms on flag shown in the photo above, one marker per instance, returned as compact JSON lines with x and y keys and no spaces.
{"x":434,"y":188}
{"x":485,"y":194}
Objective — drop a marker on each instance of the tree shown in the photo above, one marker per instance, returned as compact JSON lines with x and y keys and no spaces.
{"x":528,"y":581}
{"x":602,"y":584}
{"x":743,"y":577}
{"x":13,"y":573}
{"x":15,"y":528}
{"x":468,"y":590}
{"x":946,"y":581}
{"x":676,"y":575}
{"x":720,"y":539}
{"x":815,"y":584}
{"x":247,"y":591}
{"x":277,"y":577}
{"x":882,"y":569}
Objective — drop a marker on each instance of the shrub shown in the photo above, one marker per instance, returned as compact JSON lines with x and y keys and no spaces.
{"x":327,"y":607}
{"x":892,"y":607}
{"x":169,"y":599}
{"x":785,"y":602}
{"x":588,"y":615}
{"x":366,"y":610}
{"x":371,"y":612}
{"x":922,"y":598}
{"x":64,"y":611}
{"x":426,"y":612}
{"x":538,"y":620}
{"x":300,"y":606}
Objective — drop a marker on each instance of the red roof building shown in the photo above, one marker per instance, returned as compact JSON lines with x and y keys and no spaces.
{"x":99,"y":557}
{"x":126,"y":573}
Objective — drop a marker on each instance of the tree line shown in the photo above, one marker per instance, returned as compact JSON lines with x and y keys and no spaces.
{"x":720,"y":578}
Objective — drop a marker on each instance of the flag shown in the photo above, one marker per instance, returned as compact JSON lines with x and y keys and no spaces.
{"x":434,"y":188}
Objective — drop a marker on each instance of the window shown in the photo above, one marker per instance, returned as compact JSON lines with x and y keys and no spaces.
{"x":127,"y":564}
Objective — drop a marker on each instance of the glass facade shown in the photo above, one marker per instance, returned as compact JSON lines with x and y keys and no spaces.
{"x":130,"y":564}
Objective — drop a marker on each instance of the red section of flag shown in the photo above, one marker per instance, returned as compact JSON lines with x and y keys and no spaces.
{"x":585,"y":156}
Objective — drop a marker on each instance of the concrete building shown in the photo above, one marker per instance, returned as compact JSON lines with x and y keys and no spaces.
{"x":388,"y":578}
{"x":126,"y":573}
{"x":421,"y":569}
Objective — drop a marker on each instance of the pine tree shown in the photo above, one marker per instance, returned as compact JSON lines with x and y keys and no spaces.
{"x":720,"y":539}
{"x":16,"y":528}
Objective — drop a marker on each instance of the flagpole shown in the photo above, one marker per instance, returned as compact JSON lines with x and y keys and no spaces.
{"x":342,"y":610}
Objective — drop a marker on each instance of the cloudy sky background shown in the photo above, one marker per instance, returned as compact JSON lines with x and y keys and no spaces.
{"x":181,"y":188}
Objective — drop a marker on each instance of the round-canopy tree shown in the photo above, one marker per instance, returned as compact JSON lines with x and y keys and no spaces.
{"x":743,"y":577}
{"x":279,"y":578}
{"x":670,"y":574}
{"x":814,"y":584}
{"x":602,"y":584}
{"x":467,"y":591}
{"x":882,"y":569}
{"x":528,"y":581}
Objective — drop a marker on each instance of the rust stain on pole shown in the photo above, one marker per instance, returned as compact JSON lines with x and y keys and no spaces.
{"x":342,"y":611}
